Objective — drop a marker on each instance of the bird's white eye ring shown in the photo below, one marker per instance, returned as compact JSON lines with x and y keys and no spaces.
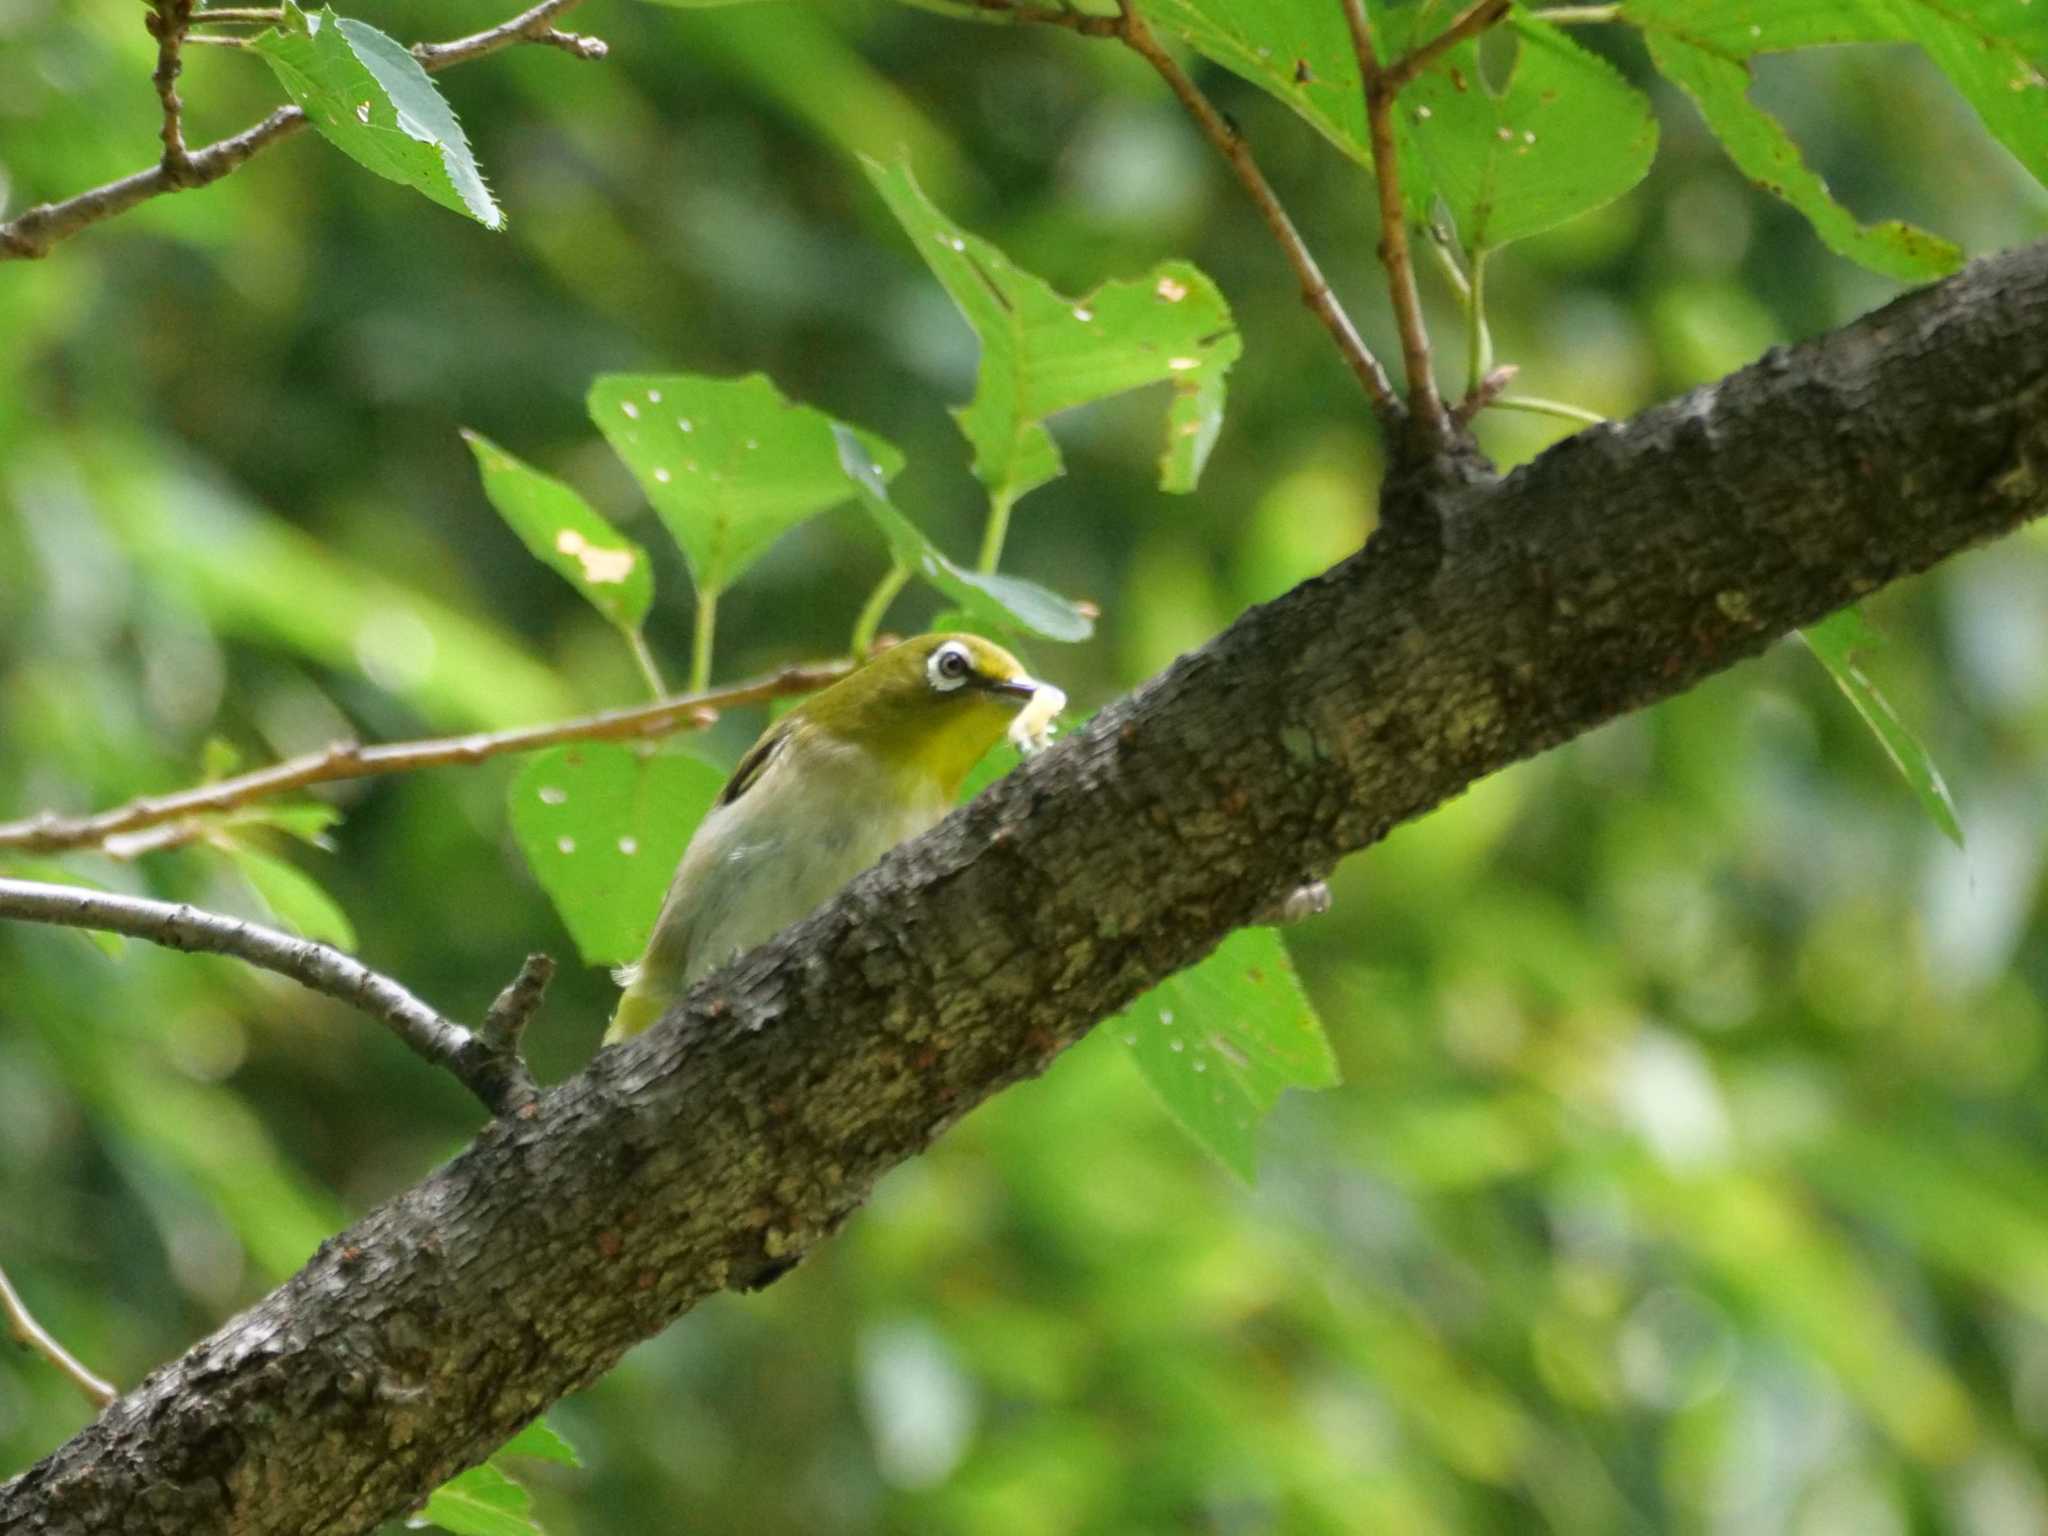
{"x":949,"y":667}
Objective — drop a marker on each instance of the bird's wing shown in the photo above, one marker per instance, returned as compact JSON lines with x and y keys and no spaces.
{"x":759,"y":755}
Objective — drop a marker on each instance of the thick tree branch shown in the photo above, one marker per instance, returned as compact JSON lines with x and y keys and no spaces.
{"x":487,"y":1064}
{"x":716,"y":1150}
{"x":32,"y":233}
{"x":51,"y":833}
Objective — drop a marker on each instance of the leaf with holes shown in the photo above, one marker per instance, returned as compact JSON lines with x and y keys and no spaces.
{"x":1986,"y":48}
{"x":1563,"y":135}
{"x":1297,"y":50}
{"x":368,"y":97}
{"x":603,"y":828}
{"x":992,"y":601}
{"x":1221,"y":1041}
{"x":1042,"y":353}
{"x":565,"y":533}
{"x":1838,"y":641}
{"x":730,"y":465}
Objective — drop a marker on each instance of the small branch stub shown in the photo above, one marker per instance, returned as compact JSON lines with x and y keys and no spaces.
{"x":23,"y":1328}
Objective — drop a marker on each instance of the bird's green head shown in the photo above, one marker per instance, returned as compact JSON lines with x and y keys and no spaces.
{"x":935,"y":704}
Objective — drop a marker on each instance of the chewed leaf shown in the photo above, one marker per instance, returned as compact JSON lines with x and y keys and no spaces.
{"x":1838,"y":641}
{"x":543,"y":1442}
{"x":1758,"y":144}
{"x":1042,"y":353}
{"x":1000,"y":602}
{"x":1299,"y":53}
{"x":1221,"y":1041}
{"x":565,"y":533}
{"x":1564,"y":135}
{"x":730,"y":465}
{"x":1989,"y":49}
{"x":602,"y":828}
{"x":368,"y":97}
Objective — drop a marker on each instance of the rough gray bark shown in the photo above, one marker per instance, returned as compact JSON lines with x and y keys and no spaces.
{"x":1502,"y":618}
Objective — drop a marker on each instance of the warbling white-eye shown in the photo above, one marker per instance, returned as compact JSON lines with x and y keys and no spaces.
{"x":841,"y":779}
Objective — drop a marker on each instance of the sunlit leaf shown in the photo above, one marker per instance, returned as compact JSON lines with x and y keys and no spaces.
{"x":1755,"y":141}
{"x":294,"y":897}
{"x":1220,"y":1042}
{"x":1298,"y":50}
{"x":542,"y":1442}
{"x":482,"y":1501}
{"x":730,"y":465}
{"x":603,"y":827}
{"x":1987,"y":48}
{"x":1838,"y":641}
{"x":306,"y":820}
{"x":1564,"y":135}
{"x":1001,"y":602}
{"x":565,"y":533}
{"x":1042,"y":353}
{"x":368,"y":96}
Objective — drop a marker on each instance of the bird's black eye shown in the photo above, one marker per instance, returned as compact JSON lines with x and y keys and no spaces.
{"x":949,"y":667}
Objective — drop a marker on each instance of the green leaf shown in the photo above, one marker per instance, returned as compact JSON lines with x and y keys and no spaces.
{"x":1565,"y":135}
{"x":1299,"y":52}
{"x":1985,"y":47}
{"x":1001,"y":602}
{"x":1838,"y":641}
{"x":369,"y":98}
{"x":1220,"y":1041}
{"x":306,"y":820}
{"x":603,"y":828}
{"x":541,"y":1441}
{"x":482,"y":1501}
{"x":730,"y":465}
{"x":1759,"y":145}
{"x":294,"y":897}
{"x":1042,"y":353}
{"x":565,"y":533}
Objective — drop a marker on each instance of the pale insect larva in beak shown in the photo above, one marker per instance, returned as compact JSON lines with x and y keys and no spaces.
{"x":1031,"y":731}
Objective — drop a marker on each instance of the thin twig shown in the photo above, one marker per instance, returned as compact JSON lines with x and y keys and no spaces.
{"x":1136,"y":35}
{"x":498,"y":1079}
{"x":168,"y":20}
{"x":30,"y":1334}
{"x":48,"y":833}
{"x":32,"y":233}
{"x":1466,"y":25}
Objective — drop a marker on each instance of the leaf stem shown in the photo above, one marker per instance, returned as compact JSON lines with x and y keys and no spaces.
{"x":1536,"y":405}
{"x":1478,"y":339}
{"x":701,"y":637}
{"x":996,"y":530}
{"x":1570,"y":15}
{"x":30,"y":1334}
{"x":644,"y":659}
{"x":872,"y":610}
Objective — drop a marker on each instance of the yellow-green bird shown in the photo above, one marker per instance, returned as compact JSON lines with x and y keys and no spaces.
{"x":841,"y":779}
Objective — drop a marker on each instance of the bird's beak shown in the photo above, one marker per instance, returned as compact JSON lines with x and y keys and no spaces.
{"x":1015,"y":687}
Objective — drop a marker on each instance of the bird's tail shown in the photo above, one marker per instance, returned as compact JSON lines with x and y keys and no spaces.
{"x":639,"y":1006}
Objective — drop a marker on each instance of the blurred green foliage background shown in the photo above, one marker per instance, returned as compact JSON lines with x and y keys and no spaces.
{"x":1691,"y":1170}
